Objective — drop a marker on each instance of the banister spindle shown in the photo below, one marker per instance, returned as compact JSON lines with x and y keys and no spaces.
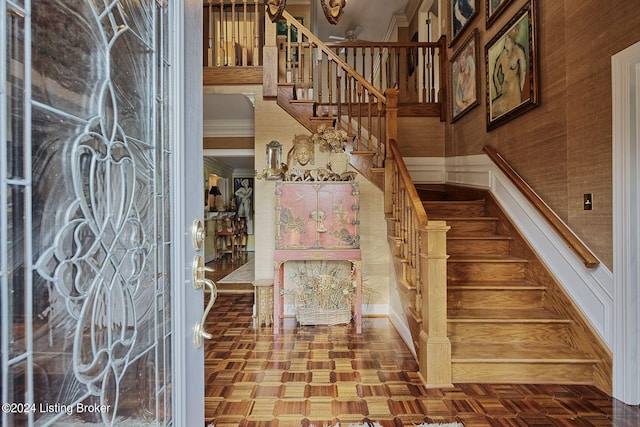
{"x":359,"y":119}
{"x":329,"y":87}
{"x":381,"y":140}
{"x":338,"y":93}
{"x":255,"y":58}
{"x":424,"y":73}
{"x":233,"y":33}
{"x":289,"y":59}
{"x":370,"y":127}
{"x":320,"y":81}
{"x":244,"y":34}
{"x":301,"y":64}
{"x":223,"y":50}
{"x":349,"y":103}
{"x":211,"y":34}
{"x":433,"y":78}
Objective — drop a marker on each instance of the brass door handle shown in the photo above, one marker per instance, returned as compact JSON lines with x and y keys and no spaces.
{"x":198,"y":330}
{"x":198,"y":270}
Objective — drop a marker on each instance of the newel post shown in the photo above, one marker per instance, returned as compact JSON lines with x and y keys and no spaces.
{"x":270,"y":61}
{"x":435,"y":347}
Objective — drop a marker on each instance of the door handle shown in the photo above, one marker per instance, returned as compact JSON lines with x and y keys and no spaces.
{"x":199,"y":282}
{"x":198,"y":330}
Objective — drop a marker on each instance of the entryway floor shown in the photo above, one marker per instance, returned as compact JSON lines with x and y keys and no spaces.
{"x":323,"y":375}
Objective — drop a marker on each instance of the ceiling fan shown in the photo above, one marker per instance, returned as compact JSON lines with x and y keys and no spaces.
{"x":350,"y":35}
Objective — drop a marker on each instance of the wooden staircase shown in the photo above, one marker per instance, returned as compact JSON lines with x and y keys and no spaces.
{"x":508,"y":319}
{"x":309,"y":114}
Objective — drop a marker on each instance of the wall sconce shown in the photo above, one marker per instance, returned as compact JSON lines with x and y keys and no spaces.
{"x":275,"y":168}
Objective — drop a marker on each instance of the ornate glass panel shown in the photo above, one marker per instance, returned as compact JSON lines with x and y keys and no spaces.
{"x":85,"y":213}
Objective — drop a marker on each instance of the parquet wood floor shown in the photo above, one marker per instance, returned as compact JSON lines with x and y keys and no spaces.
{"x":323,"y":375}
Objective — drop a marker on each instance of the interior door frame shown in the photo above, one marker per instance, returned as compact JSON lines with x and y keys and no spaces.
{"x":186,"y":80}
{"x":625,"y":75}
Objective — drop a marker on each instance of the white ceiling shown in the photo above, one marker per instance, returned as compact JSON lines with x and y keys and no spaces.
{"x":373,"y":16}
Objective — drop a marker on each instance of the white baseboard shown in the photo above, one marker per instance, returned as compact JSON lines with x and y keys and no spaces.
{"x":400,"y":324}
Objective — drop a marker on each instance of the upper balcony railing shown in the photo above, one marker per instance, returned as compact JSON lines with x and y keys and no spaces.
{"x":234,"y":36}
{"x":233,"y":32}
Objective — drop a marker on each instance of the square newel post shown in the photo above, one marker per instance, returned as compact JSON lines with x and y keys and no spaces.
{"x":435,"y":348}
{"x":270,"y":60}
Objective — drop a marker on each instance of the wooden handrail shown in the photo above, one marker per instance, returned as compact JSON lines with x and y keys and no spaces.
{"x":588,"y":258}
{"x":331,"y":54}
{"x":407,"y":182}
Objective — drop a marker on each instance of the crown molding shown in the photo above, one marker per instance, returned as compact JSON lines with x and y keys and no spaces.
{"x":228,"y":128}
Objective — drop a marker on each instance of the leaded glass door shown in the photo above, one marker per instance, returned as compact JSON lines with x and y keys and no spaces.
{"x":90,"y":99}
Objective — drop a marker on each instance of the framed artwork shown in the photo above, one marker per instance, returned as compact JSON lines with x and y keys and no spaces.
{"x":461,"y":14}
{"x":494,"y":9}
{"x":512,"y":68}
{"x":243,"y":193}
{"x":465,"y":77}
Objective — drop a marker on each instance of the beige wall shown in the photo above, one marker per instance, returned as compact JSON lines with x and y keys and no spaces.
{"x":562,"y":148}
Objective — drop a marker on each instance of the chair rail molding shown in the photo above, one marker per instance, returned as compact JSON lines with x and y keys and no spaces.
{"x":626,"y":228}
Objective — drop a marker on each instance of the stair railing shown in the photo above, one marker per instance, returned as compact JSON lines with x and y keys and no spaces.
{"x":585,"y":254}
{"x":411,"y":67}
{"x":232,"y":32}
{"x":336,"y":89}
{"x":421,"y":246}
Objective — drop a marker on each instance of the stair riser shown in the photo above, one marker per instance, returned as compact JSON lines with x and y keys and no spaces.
{"x":538,"y":334}
{"x":458,"y":209}
{"x":485,"y":271}
{"x":551,"y":373}
{"x":499,"y":298}
{"x":471,"y":227}
{"x":471,"y":247}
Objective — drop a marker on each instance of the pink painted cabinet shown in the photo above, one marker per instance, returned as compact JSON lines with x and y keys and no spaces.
{"x":317,"y":215}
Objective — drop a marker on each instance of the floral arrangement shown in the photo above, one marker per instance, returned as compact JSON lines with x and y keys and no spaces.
{"x":323,"y":292}
{"x":331,"y":139}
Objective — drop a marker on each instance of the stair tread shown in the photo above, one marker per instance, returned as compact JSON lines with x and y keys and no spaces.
{"x":521,"y":352}
{"x":494,"y":314}
{"x":453,"y":202}
{"x":480,"y":237}
{"x":465,"y":218}
{"x":495,"y":284}
{"x":487,"y":259}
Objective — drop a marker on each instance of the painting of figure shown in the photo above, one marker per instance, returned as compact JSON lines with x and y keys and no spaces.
{"x":464,"y":77}
{"x":511,"y":69}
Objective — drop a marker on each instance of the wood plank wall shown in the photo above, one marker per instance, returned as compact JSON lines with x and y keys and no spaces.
{"x":562,"y":148}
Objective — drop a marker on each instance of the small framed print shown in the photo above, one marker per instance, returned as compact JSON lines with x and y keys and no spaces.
{"x":464,"y":77}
